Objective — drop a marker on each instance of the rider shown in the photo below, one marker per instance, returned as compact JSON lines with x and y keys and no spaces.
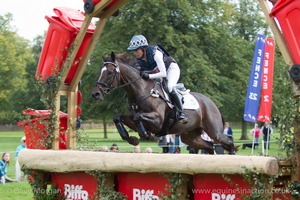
{"x":156,"y":63}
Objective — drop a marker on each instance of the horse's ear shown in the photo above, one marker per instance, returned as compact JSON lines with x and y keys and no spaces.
{"x":113,"y":56}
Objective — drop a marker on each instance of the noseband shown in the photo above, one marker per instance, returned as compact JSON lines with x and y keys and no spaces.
{"x":107,"y":87}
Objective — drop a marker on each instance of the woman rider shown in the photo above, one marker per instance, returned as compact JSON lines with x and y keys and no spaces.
{"x":156,"y":63}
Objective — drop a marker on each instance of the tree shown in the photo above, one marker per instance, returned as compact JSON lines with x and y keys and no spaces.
{"x":14,"y":55}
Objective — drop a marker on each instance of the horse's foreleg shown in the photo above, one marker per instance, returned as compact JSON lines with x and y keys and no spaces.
{"x":121,"y":129}
{"x":123,"y":132}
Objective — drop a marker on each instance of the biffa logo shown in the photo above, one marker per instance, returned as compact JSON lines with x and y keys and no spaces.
{"x":144,"y":194}
{"x":216,"y":196}
{"x":73,"y":192}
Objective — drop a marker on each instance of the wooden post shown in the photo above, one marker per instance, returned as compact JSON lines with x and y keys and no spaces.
{"x":280,"y":41}
{"x":71,"y":90}
{"x":295,"y":87}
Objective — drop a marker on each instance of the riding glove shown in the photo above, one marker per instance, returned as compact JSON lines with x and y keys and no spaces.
{"x":145,"y":75}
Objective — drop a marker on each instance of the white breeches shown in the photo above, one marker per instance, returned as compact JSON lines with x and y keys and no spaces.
{"x":173,"y":75}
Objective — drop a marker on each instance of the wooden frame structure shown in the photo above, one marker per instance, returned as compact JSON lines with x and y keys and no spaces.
{"x":281,"y":43}
{"x":71,"y":90}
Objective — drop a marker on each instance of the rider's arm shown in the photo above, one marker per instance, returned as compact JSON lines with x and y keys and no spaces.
{"x":158,"y":57}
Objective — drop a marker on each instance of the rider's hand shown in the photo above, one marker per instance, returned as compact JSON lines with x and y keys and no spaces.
{"x":145,"y":75}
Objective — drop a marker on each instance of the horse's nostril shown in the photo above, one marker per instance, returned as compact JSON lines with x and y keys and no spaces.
{"x":96,"y":95}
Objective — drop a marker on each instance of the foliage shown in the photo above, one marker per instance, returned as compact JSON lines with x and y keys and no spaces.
{"x":105,"y":189}
{"x":261,"y":186}
{"x":175,"y":182}
{"x":294,"y":188}
{"x":39,"y":188}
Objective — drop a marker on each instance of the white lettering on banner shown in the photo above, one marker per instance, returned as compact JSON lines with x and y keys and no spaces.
{"x":267,"y":55}
{"x":73,"y":192}
{"x":144,"y":194}
{"x":256,"y":75}
{"x":259,"y":52}
{"x":265,"y":85}
{"x":255,"y":83}
{"x":257,"y":68}
{"x":266,"y":98}
{"x":253,"y":96}
{"x":216,"y":196}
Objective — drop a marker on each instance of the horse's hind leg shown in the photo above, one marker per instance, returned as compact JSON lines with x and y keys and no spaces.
{"x":195,"y":140}
{"x":227,"y":143}
{"x":215,"y":131}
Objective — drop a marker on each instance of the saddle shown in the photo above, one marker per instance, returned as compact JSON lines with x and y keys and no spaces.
{"x":172,"y":116}
{"x":180,"y":88}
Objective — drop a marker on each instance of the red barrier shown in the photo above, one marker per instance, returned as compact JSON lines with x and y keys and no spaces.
{"x":75,"y":185}
{"x":288,"y":13}
{"x":61,"y":33}
{"x":35,"y":129}
{"x":142,"y":186}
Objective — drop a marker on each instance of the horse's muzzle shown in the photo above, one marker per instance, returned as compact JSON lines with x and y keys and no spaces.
{"x":97,"y":96}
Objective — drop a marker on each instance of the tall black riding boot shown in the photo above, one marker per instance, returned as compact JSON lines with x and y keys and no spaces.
{"x":182,"y":118}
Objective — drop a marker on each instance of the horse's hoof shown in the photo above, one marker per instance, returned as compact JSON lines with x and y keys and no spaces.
{"x":133,"y":140}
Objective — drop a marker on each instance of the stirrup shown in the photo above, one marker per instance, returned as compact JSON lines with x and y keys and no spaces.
{"x":154,"y":93}
{"x":182,"y":119}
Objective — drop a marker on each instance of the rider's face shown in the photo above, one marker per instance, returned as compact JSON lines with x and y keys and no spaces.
{"x":138,"y":53}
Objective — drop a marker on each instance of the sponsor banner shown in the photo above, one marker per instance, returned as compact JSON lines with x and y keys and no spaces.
{"x":254,"y":85}
{"x":139,"y":186}
{"x":75,"y":185}
{"x":265,"y":109}
{"x":232,"y":187}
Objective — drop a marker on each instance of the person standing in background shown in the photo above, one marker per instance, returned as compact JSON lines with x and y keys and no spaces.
{"x":266,"y":131}
{"x":18,"y":167}
{"x":256,"y":133}
{"x":163,"y":142}
{"x":228,"y":130}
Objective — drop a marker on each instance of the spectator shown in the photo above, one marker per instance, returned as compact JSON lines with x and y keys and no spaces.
{"x":163,"y":142}
{"x":104,"y":148}
{"x":256,"y":133}
{"x":114,"y":148}
{"x":19,"y":148}
{"x":137,"y":149}
{"x":3,"y":169}
{"x":171,"y":143}
{"x":228,"y":130}
{"x":149,"y":150}
{"x":266,"y":131}
{"x":178,"y":144}
{"x":192,"y":150}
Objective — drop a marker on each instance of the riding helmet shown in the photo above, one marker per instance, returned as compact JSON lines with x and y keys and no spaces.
{"x":137,"y":41}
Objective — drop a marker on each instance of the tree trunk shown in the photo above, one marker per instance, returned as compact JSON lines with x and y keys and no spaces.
{"x":105,"y":128}
{"x":244,"y":135}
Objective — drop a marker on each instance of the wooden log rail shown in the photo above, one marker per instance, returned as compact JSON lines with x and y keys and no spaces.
{"x":73,"y":161}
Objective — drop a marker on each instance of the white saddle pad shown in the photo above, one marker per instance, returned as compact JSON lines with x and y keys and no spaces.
{"x":190,"y":102}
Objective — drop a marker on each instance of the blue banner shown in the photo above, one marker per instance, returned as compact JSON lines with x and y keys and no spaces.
{"x":254,"y":85}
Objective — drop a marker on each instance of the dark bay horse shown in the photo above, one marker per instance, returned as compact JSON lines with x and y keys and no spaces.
{"x":148,"y":114}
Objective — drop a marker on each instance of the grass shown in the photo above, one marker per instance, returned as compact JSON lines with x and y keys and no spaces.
{"x":95,"y":139}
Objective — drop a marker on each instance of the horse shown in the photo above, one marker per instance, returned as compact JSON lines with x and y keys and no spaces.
{"x":149,"y":111}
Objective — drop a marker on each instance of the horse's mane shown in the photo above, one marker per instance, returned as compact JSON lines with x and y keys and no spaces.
{"x":127,"y":59}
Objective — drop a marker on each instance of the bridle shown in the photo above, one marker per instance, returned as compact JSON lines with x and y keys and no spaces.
{"x":107,"y":87}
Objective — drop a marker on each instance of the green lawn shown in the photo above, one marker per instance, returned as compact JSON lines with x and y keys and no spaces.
{"x":95,"y":139}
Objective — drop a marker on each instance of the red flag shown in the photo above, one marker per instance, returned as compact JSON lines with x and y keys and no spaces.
{"x":265,"y":109}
